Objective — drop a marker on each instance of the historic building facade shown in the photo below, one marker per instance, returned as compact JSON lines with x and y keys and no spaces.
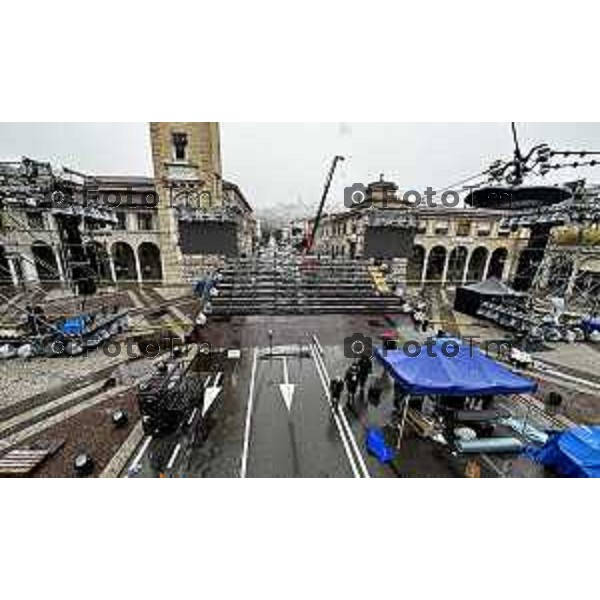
{"x":144,"y":219}
{"x":450,"y":246}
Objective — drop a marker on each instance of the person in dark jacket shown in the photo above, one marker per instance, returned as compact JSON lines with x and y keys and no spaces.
{"x":365,"y":368}
{"x":336,"y":387}
{"x":351,"y":379}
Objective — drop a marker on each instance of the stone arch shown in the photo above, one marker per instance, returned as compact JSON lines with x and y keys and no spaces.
{"x":150,"y":265}
{"x":456,"y":264}
{"x":436,"y":264}
{"x":124,"y":260}
{"x":45,"y":262}
{"x":497,"y":263}
{"x":477,"y":264}
{"x":5,"y":276}
{"x":414,"y":270}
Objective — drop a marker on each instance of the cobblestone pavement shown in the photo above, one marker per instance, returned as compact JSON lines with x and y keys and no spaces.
{"x":24,"y":378}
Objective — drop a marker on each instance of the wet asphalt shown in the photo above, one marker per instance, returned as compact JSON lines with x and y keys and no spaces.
{"x":301,"y":442}
{"x":254,"y":435}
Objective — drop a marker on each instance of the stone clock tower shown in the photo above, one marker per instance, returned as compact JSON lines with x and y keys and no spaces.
{"x":187,"y":172}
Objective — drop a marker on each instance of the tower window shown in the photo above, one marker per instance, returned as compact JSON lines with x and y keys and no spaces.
{"x":180,"y":142}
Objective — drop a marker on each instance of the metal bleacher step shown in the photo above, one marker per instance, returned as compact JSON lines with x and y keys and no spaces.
{"x":299,"y":285}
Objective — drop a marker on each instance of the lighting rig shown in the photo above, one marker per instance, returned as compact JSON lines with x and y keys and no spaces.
{"x":31,"y":185}
{"x":546,"y":267}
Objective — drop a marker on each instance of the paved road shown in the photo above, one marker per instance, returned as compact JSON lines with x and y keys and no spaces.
{"x":302,"y":442}
{"x":249,"y":431}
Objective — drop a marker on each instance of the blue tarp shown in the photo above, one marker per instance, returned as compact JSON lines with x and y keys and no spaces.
{"x":572,"y":453}
{"x":376,"y":445}
{"x":589,"y":325}
{"x":73,"y":326}
{"x":203,"y":286}
{"x":469,"y":373}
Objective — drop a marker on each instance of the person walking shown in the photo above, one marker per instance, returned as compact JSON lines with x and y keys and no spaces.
{"x":336,"y":387}
{"x":351,"y":379}
{"x":365,"y":368}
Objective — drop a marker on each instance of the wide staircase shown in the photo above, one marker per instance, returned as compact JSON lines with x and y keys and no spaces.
{"x":276,"y":283}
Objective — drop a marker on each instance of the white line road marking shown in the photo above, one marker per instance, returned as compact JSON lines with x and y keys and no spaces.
{"x":174,"y":456}
{"x":218,"y":379}
{"x":359,"y":456}
{"x":318,"y":344}
{"x":547,"y":369}
{"x":249,"y":416}
{"x":336,"y":419}
{"x":192,"y":416}
{"x":138,"y":458}
{"x":207,"y":381}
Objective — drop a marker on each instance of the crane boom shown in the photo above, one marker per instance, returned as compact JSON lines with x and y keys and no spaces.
{"x":311,"y":239}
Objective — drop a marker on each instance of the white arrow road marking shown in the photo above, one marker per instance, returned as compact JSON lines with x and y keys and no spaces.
{"x":210,"y":395}
{"x":286,"y":388}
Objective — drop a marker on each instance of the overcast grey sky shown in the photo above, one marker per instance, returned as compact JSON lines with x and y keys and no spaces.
{"x":284,"y":163}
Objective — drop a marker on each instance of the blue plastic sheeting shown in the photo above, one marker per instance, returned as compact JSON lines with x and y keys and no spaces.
{"x":73,"y":326}
{"x":590,"y":325}
{"x":377,"y":447}
{"x":573,"y":453}
{"x":199,"y":287}
{"x":203,"y":286}
{"x":469,"y":373}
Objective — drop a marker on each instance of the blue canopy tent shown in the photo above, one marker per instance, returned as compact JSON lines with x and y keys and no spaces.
{"x":433,"y":372}
{"x":572,"y":453}
{"x":469,"y":373}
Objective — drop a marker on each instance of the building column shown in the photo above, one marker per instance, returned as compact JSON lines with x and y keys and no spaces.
{"x":424,"y":269}
{"x":111,"y":266}
{"x":488,"y":261}
{"x":59,"y":265}
{"x":572,"y":278}
{"x":446,"y":266}
{"x":466,"y":269}
{"x":506,"y":268}
{"x":13,"y":272}
{"x":138,"y":268}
